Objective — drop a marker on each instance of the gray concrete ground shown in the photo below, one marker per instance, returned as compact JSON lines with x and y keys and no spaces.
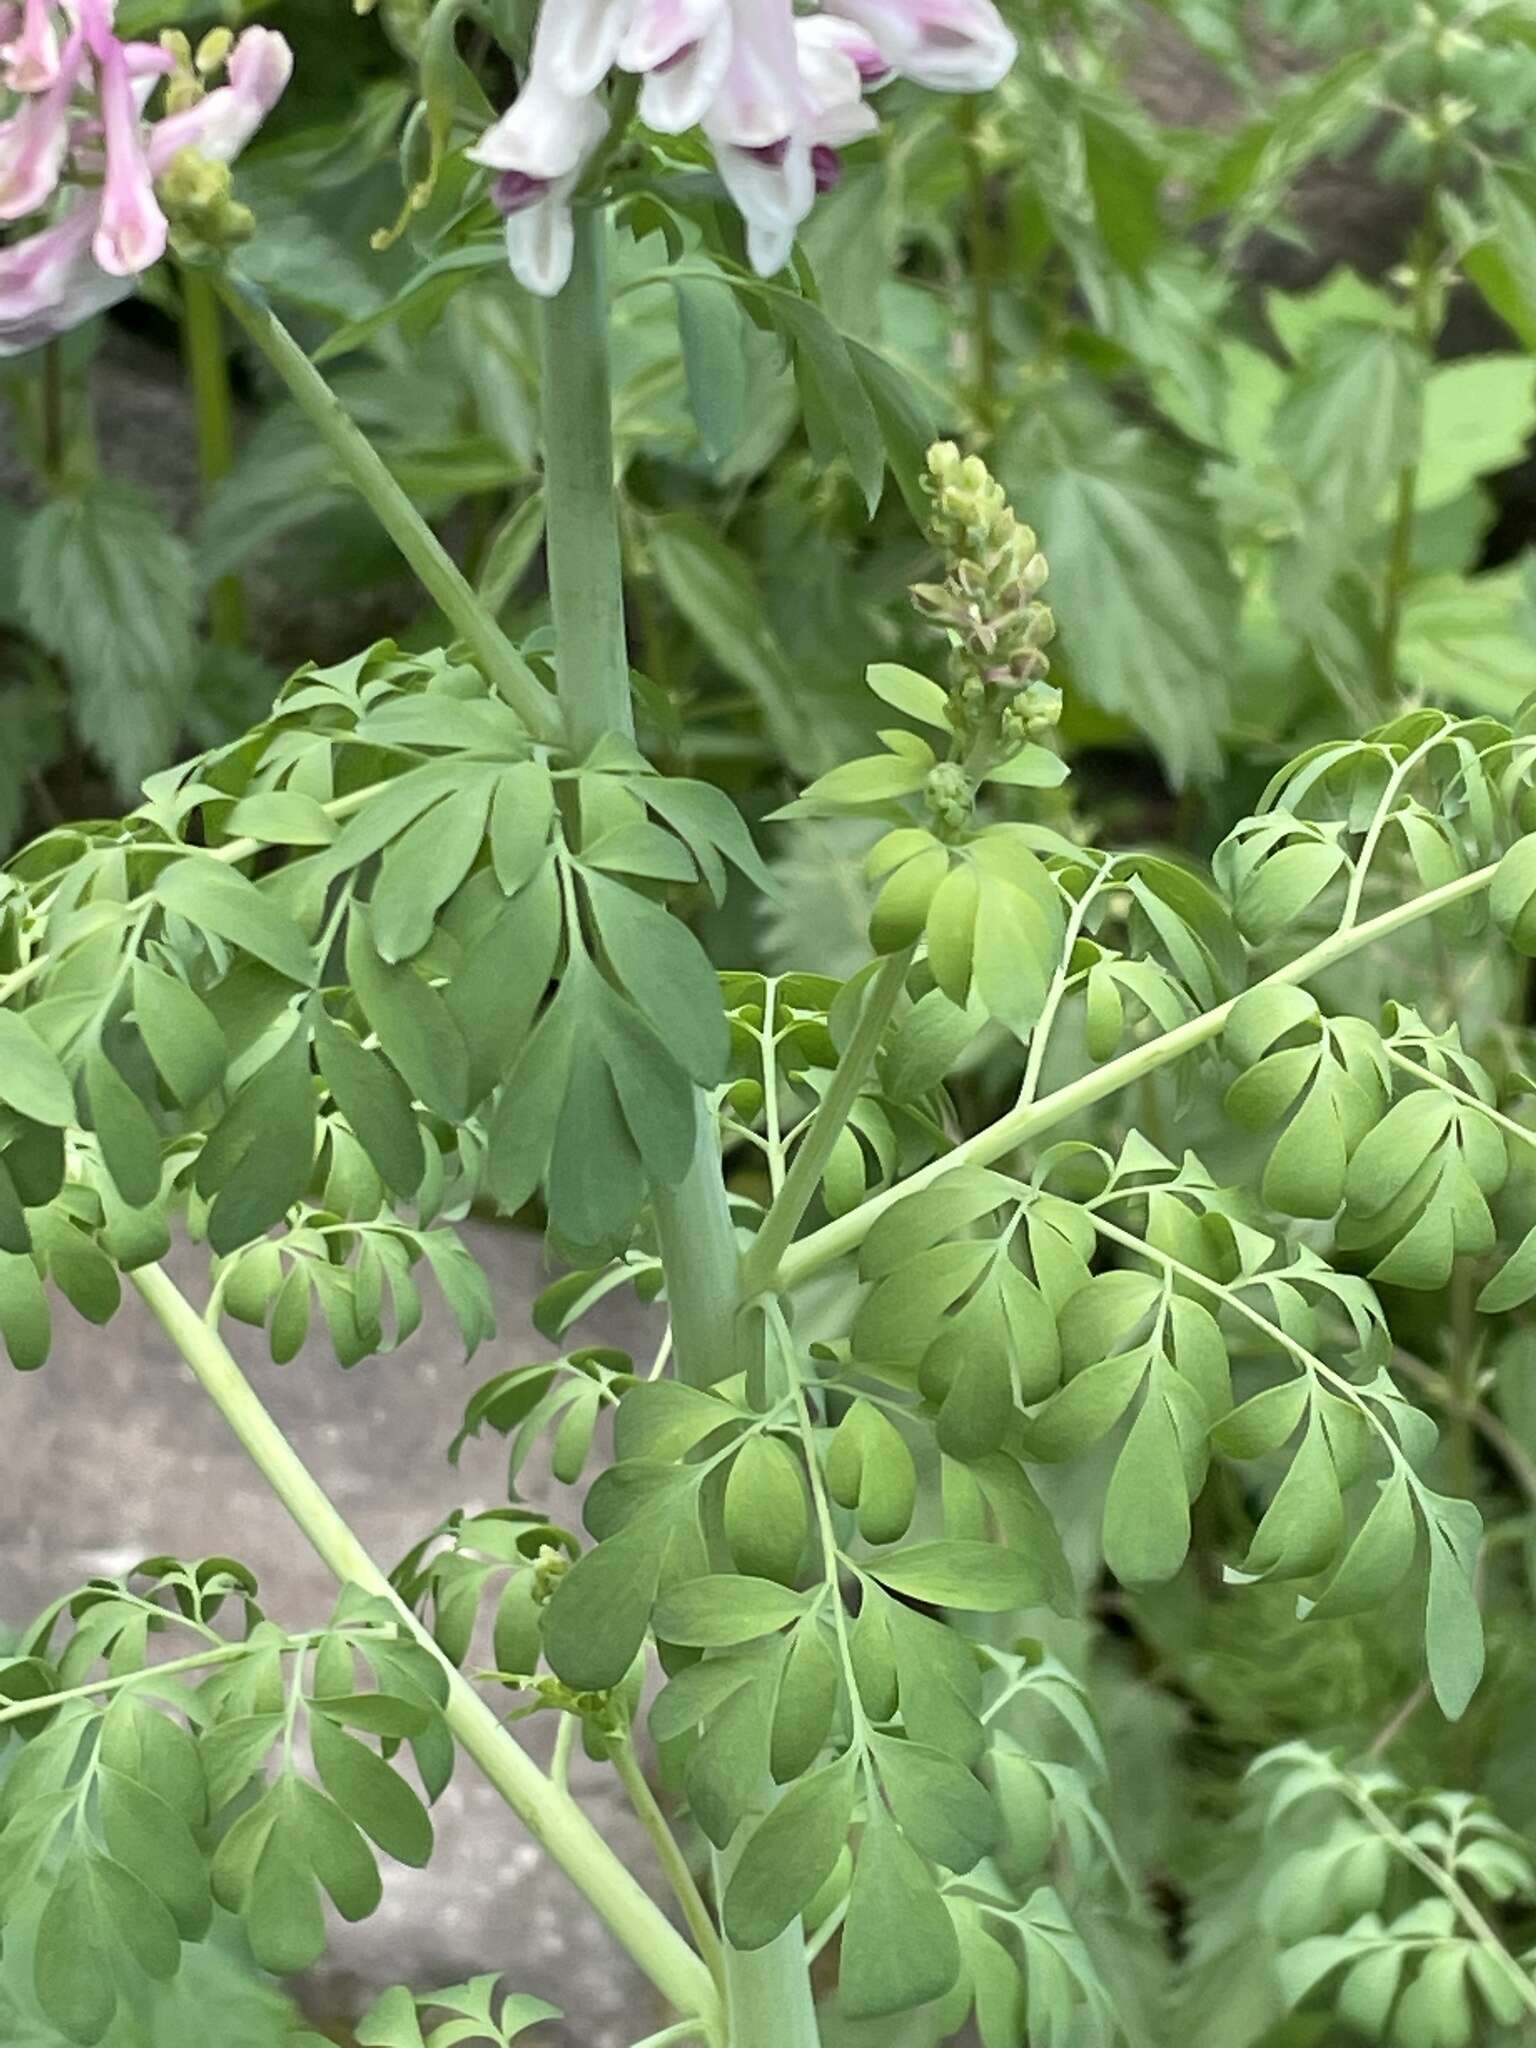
{"x":111,"y":1454}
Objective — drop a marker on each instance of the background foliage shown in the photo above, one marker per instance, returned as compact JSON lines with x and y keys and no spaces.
{"x":1251,"y":351}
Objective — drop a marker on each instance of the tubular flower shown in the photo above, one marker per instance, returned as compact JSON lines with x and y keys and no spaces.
{"x":81,"y":165}
{"x":778,"y":95}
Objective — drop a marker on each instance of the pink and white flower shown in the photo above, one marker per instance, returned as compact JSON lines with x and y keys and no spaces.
{"x":30,"y":61}
{"x":950,"y":45}
{"x":778,"y":94}
{"x":539,"y":148}
{"x":77,"y":119}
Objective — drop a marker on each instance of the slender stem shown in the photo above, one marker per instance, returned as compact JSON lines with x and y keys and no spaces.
{"x":669,"y":1855}
{"x":365,"y":469}
{"x":1448,"y":1887}
{"x":685,"y":2030}
{"x":1399,"y":569}
{"x":1390,"y":1730}
{"x":1040,"y":1037}
{"x":565,"y":1743}
{"x":53,"y":413}
{"x":551,"y":1816}
{"x":983,"y":363}
{"x":1441,"y":1390}
{"x":1029,"y":1120}
{"x":1379,"y":822}
{"x":198,"y":1660}
{"x":207,"y":360}
{"x":1507,"y":1124}
{"x":837,"y":1105}
{"x":586,"y":578}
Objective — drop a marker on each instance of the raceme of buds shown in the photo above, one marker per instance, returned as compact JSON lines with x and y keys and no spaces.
{"x":989,"y":599}
{"x":97,"y":185}
{"x":777,"y":93}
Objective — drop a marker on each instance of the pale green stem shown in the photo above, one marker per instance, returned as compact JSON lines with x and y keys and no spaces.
{"x":367,"y":472}
{"x":1379,"y":823}
{"x":768,"y":1993}
{"x":674,"y":1863}
{"x":198,"y":1660}
{"x":586,"y":577}
{"x":1030,"y":1120}
{"x":1507,"y":1124}
{"x":768,"y":1990}
{"x":1040,"y":1037}
{"x":831,"y":1118}
{"x":207,"y":360}
{"x":231,"y":851}
{"x":551,"y":1816}
{"x":697,"y":1240}
{"x":1449,"y":1888}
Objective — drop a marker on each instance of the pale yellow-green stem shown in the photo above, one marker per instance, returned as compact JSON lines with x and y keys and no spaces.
{"x":551,"y":1815}
{"x":1029,"y":1120}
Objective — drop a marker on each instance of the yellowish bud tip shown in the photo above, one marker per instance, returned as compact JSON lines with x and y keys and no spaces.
{"x":213,"y":50}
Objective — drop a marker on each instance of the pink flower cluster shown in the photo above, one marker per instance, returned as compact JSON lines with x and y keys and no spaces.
{"x":777,"y":93}
{"x":79,"y":162}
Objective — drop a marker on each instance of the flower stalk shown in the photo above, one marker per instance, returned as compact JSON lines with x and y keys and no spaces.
{"x":207,"y":361}
{"x":365,"y":469}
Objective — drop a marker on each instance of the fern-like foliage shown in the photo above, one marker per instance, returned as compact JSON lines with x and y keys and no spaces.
{"x":388,"y":957}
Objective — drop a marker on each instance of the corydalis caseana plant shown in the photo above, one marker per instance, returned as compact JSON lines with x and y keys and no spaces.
{"x":89,"y":179}
{"x":437,"y":939}
{"x":776,"y":93}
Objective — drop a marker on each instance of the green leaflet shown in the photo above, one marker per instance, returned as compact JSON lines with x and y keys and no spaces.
{"x":31,"y":1079}
{"x":219,"y":899}
{"x":789,"y":1856}
{"x":899,"y":1944}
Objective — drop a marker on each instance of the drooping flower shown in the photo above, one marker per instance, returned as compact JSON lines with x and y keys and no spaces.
{"x":219,"y":125}
{"x":540,"y":148}
{"x":681,"y":50}
{"x":74,"y":142}
{"x":51,"y":282}
{"x":759,"y":125}
{"x":777,"y":93}
{"x":132,"y":230}
{"x":30,"y":61}
{"x":950,"y":45}
{"x":33,"y":142}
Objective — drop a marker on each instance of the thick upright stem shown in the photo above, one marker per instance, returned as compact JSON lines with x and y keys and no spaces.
{"x":768,"y":1993}
{"x":586,"y":578}
{"x":769,"y":2000}
{"x":207,"y":360}
{"x":367,"y":472}
{"x":550,"y":1814}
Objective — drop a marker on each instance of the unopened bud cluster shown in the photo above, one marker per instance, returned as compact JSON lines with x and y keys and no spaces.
{"x":206,"y":218}
{"x":989,"y":600}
